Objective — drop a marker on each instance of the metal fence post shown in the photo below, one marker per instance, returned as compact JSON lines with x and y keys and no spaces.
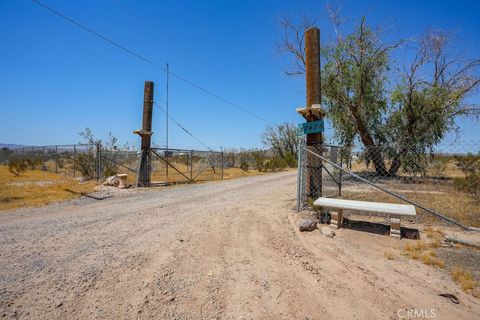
{"x":74,"y":159}
{"x":43,"y":160}
{"x":222,"y":165}
{"x":301,"y":185}
{"x":97,"y":157}
{"x":340,"y":174}
{"x":191,"y":165}
{"x":56,"y":159}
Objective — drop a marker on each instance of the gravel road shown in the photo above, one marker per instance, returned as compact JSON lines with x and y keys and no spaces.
{"x":218,"y":250}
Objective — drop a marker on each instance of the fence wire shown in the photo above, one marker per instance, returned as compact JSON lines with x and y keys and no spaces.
{"x":179,"y":165}
{"x":444,"y":179}
{"x":79,"y":160}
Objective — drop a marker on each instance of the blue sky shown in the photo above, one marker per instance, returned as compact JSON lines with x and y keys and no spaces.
{"x":56,"y":79}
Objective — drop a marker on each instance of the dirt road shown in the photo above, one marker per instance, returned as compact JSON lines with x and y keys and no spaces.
{"x":220,"y":250}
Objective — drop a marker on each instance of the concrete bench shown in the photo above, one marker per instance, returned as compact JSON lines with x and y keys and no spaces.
{"x":394,"y":211}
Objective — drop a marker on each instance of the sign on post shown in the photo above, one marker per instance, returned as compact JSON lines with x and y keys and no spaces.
{"x":311,"y":127}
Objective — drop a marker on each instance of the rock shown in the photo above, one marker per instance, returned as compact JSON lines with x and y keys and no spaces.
{"x":307,"y":225}
{"x":327,"y":232}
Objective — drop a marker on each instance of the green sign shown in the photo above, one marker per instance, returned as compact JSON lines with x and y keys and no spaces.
{"x":311,"y":127}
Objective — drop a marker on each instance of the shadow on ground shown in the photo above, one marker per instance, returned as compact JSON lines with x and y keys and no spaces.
{"x":379,"y":228}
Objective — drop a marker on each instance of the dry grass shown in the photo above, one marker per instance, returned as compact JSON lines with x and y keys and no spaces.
{"x":435,"y":191}
{"x":464,"y":278}
{"x":434,"y":233}
{"x":414,"y":251}
{"x":389,"y":255}
{"x":36,"y":188}
{"x":451,"y":170}
{"x":431,"y":259}
{"x":421,"y":251}
{"x":440,"y":196}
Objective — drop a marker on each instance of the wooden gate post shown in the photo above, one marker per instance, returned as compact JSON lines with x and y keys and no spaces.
{"x":144,"y":170}
{"x":313,"y":112}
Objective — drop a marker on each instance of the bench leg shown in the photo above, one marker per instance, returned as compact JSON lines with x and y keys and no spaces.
{"x":337,"y":219}
{"x":395,"y":228}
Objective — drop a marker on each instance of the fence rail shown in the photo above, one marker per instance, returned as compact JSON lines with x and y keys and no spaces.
{"x":94,"y":162}
{"x":180,"y":165}
{"x":443,"y":180}
{"x":69,"y":160}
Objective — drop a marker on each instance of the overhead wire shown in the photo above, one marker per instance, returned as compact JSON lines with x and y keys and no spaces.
{"x":149,"y":61}
{"x":132,"y":12}
{"x":184,"y":10}
{"x":182,"y":127}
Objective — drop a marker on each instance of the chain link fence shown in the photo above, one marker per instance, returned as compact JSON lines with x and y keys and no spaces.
{"x":112,"y":162}
{"x":78,"y":160}
{"x":94,"y":162}
{"x":179,"y":165}
{"x":443,"y":180}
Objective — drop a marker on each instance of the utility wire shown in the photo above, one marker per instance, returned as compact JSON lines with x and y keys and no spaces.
{"x":193,"y":54}
{"x":182,"y":127}
{"x":133,"y":53}
{"x":184,"y":10}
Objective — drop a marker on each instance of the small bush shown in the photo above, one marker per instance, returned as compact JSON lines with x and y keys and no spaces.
{"x":244,"y":165}
{"x":33,"y":163}
{"x":274,"y":164}
{"x":438,"y":165}
{"x":430,"y":258}
{"x":414,"y":251}
{"x":389,"y":255}
{"x":259,"y":160}
{"x":86,"y":164}
{"x":17,"y":166}
{"x":290,"y":160}
{"x":470,"y":184}
{"x":464,"y":278}
{"x":61,"y":163}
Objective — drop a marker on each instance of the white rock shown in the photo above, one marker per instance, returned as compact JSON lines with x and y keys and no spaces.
{"x":327,"y":232}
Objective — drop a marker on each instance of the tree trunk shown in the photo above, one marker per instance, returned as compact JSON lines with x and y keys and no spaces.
{"x":395,"y":166}
{"x":373,"y":152}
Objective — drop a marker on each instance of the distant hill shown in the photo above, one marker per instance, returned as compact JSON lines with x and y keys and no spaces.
{"x":12,"y":146}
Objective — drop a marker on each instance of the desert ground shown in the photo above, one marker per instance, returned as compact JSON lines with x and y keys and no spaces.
{"x":218,"y":250}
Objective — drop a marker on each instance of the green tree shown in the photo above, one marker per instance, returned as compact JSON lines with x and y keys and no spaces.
{"x":398,"y":112}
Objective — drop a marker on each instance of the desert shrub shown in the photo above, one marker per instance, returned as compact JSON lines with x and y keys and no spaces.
{"x":61,"y":163}
{"x":259,"y":158}
{"x":470,"y":183}
{"x":17,"y":166}
{"x":290,"y":160}
{"x":32,"y":163}
{"x":244,"y":165}
{"x":438,"y":165}
{"x":275,"y":164}
{"x":244,"y":160}
{"x":86,"y":164}
{"x":229,"y":157}
{"x":468,"y":163}
{"x":110,"y":171}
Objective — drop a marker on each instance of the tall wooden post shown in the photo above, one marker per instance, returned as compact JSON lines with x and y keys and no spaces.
{"x":314,"y":100}
{"x":146,"y":135}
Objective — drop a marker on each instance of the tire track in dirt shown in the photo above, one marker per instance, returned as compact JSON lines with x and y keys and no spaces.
{"x":221,"y":250}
